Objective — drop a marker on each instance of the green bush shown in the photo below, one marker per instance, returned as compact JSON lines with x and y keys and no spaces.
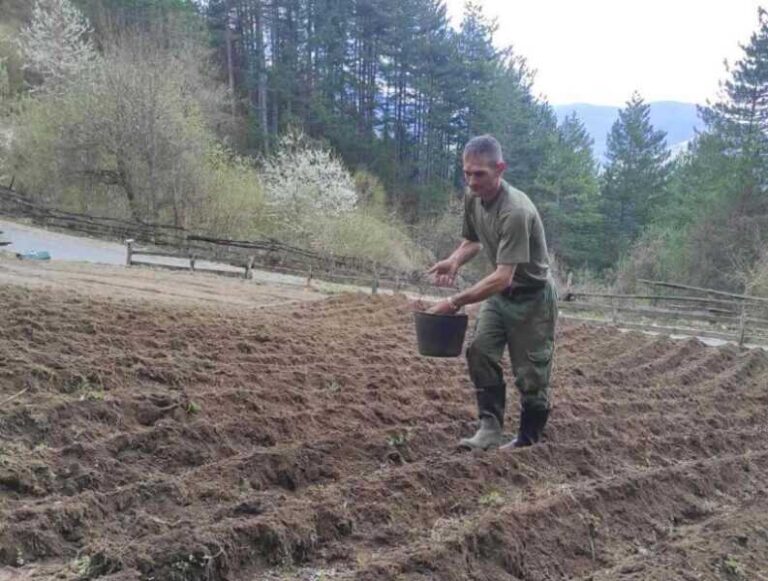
{"x":34,"y":150}
{"x":371,"y":193}
{"x":234,"y":203}
{"x":363,"y":234}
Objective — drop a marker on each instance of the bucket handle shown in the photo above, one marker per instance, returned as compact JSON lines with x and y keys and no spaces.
{"x":443,"y":292}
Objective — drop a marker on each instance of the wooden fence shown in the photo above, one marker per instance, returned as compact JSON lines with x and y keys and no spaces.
{"x":173,"y":242}
{"x":673,"y":308}
{"x":245,"y":264}
{"x":666,"y":307}
{"x":14,"y":205}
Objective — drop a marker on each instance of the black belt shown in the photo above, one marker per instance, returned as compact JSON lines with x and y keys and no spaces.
{"x":513,"y":292}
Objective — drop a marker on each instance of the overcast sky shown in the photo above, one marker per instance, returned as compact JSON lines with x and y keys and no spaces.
{"x":599,"y":51}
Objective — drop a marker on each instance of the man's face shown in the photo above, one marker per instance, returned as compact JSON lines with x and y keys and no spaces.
{"x":483,"y":176}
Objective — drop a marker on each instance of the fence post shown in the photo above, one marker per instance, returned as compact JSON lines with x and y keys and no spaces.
{"x":192,"y":261}
{"x":249,"y":267}
{"x":128,"y":251}
{"x":742,"y":323}
{"x":309,"y":277}
{"x":615,"y":309}
{"x":375,"y":284}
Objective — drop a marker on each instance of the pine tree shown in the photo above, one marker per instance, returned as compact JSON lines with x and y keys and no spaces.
{"x":718,"y":196}
{"x":635,"y":176}
{"x":388,"y":83}
{"x":740,"y":121}
{"x":478,"y":71}
{"x":569,"y":196}
{"x":495,"y":96}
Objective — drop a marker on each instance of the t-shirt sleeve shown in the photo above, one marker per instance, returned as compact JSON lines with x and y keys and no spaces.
{"x":514,"y":246}
{"x":468,"y":230}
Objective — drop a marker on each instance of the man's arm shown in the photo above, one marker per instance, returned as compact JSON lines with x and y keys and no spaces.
{"x":466,"y":251}
{"x":494,"y":283}
{"x":514,"y":249}
{"x":445,"y":270}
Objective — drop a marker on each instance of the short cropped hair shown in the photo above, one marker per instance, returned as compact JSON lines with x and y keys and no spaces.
{"x":485,"y":146}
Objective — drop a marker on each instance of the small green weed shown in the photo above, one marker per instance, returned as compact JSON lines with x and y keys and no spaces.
{"x":398,"y":440}
{"x":732,"y":568}
{"x":491,"y":498}
{"x":82,"y":566}
{"x":86,"y":390}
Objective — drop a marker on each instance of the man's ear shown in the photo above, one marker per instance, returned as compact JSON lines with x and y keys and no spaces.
{"x":501,"y":167}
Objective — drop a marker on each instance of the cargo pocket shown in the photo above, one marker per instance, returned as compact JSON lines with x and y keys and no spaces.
{"x":540,"y":368}
{"x":533,"y":378}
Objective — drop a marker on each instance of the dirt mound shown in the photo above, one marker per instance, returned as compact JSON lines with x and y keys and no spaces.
{"x":310,"y":441}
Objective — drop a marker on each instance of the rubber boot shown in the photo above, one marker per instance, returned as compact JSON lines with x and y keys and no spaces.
{"x":532,"y":424}
{"x":487,"y":436}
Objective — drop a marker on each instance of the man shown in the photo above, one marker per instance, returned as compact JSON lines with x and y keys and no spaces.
{"x":521,"y":307}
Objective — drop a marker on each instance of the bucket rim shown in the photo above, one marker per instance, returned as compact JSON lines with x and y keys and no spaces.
{"x":436,"y":315}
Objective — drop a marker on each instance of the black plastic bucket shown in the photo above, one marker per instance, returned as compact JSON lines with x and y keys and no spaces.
{"x":440,"y":335}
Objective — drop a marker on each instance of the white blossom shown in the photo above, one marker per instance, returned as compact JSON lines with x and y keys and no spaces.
{"x":57,"y":44}
{"x":301,"y":178}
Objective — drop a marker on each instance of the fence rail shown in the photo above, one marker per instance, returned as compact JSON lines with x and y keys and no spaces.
{"x":175,"y":242}
{"x":691,"y":310}
{"x":708,"y":313}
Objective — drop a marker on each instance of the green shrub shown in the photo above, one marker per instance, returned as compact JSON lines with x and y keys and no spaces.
{"x":371,"y":193}
{"x":362,"y":234}
{"x":233,"y":204}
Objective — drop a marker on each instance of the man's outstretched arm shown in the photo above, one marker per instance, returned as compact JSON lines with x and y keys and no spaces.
{"x":445,"y":271}
{"x":494,"y":283}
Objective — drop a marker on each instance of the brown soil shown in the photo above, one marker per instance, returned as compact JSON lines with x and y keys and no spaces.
{"x":310,"y":441}
{"x":148,"y":284}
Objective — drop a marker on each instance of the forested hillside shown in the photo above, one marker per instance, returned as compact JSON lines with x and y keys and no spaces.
{"x":338,"y":124}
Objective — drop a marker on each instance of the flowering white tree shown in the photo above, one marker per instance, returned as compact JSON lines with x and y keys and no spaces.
{"x":302,"y":179}
{"x":57,"y":45}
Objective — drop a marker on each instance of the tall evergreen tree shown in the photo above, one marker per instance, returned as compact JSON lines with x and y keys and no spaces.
{"x":479,"y":68}
{"x":718,"y":199}
{"x":388,"y":83}
{"x":494,"y":95}
{"x":635,"y":176}
{"x":740,"y":120}
{"x":108,"y":16}
{"x":569,"y":197}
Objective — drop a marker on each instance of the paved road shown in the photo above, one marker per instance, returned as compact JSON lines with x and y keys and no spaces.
{"x":61,"y":246}
{"x":68,"y":247}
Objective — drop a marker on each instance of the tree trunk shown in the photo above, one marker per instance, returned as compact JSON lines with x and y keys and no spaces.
{"x":262,"y":75}
{"x":125,"y":182}
{"x":230,"y":59}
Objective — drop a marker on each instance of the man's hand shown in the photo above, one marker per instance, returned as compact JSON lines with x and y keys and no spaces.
{"x":443,"y":308}
{"x":444,"y":272}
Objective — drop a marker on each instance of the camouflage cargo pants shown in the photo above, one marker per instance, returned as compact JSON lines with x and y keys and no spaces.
{"x":524,"y":322}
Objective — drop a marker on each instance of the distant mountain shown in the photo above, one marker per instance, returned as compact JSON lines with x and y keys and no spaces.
{"x":679,"y":120}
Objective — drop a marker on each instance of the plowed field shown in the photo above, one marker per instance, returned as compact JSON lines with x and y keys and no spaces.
{"x":145,"y":440}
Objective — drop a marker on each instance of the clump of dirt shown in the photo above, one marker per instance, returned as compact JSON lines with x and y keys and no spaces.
{"x":142,"y":441}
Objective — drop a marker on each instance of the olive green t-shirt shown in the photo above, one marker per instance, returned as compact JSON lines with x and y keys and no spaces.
{"x":510,"y":229}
